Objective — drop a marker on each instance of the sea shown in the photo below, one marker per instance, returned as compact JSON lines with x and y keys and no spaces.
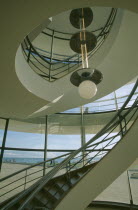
{"x":27,"y":161}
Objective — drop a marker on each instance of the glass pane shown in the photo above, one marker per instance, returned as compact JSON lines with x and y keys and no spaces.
{"x":107,"y":97}
{"x":104,"y":104}
{"x":93,"y":123}
{"x":2,"y":128}
{"x":63,"y":132}
{"x":57,"y":159}
{"x":56,"y":156}
{"x":124,"y":91}
{"x":25,"y":135}
{"x":75,"y":110}
{"x":20,"y":160}
{"x":14,"y":161}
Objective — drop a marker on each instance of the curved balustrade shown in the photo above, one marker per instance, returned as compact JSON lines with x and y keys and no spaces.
{"x":93,"y":151}
{"x":22,"y":179}
{"x":110,"y":103}
{"x":52,"y":66}
{"x":109,"y":107}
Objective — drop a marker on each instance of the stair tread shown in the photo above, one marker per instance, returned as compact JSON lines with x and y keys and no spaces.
{"x":59,"y":188}
{"x":49,"y":194}
{"x":39,"y":200}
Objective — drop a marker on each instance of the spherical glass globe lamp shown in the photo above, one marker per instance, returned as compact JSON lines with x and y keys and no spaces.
{"x":87,"y":89}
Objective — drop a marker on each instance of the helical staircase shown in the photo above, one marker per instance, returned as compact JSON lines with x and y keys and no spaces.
{"x":84,"y":173}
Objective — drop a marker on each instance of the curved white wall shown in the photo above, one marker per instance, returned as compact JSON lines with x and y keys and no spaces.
{"x":18,"y":18}
{"x":52,"y":90}
{"x":103,"y":174}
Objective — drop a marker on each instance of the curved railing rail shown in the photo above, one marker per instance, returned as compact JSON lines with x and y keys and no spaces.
{"x":52,"y":66}
{"x":99,"y":146}
{"x":19,"y":180}
{"x":13,"y":182}
{"x":102,"y":106}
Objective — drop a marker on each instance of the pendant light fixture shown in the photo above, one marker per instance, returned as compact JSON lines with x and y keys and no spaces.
{"x":83,"y":42}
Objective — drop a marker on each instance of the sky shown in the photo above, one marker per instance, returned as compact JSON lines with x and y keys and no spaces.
{"x":36,"y":141}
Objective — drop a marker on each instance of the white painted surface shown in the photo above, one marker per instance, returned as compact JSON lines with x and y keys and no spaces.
{"x":104,"y":173}
{"x":49,"y":91}
{"x":18,"y":18}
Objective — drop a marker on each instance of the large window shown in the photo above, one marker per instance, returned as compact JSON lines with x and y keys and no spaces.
{"x":110,"y":102}
{"x":25,"y":135}
{"x":24,"y":146}
{"x":54,"y":137}
{"x":16,"y":160}
{"x":63,"y":132}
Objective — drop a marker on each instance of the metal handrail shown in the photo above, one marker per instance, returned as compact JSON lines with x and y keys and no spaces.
{"x":90,"y":160}
{"x":74,"y":58}
{"x":65,"y":60}
{"x":103,"y":149}
{"x":50,"y":160}
{"x":27,"y":168}
{"x":98,"y":29}
{"x":124,"y":96}
{"x":49,"y":178}
{"x":32,"y":166}
{"x":91,"y":109}
{"x":124,"y":105}
{"x":107,"y":23}
{"x":38,"y":186}
{"x":55,"y":59}
{"x":65,"y":33}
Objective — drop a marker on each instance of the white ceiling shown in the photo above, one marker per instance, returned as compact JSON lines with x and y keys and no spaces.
{"x":18,"y":18}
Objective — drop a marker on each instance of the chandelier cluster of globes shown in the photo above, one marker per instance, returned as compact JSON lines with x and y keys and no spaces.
{"x":82,"y":42}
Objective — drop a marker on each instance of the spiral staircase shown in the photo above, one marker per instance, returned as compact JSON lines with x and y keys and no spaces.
{"x":84,"y":173}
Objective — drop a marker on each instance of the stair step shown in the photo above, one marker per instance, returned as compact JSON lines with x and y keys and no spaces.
{"x":39,"y":201}
{"x":55,"y":190}
{"x":47,"y":205}
{"x":49,"y":194}
{"x":75,"y":179}
{"x":64,"y":184}
{"x":59,"y":188}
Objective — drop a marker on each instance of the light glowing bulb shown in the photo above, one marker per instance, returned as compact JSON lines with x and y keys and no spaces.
{"x":87,"y":89}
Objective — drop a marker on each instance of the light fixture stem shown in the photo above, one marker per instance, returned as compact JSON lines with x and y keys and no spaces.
{"x":84,"y":54}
